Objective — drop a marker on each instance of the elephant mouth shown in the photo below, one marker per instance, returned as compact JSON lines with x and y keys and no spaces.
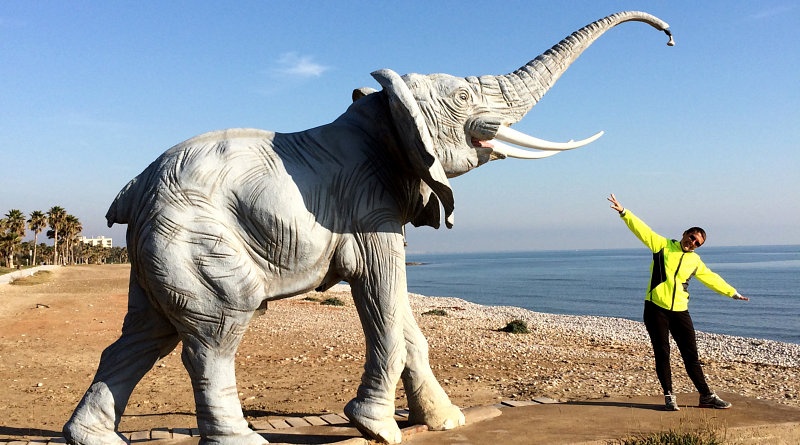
{"x":482,"y":144}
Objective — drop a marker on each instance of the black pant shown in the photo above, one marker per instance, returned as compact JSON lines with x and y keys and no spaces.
{"x":660,"y":323}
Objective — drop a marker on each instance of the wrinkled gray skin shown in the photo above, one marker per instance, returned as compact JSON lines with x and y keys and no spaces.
{"x":227,"y":220}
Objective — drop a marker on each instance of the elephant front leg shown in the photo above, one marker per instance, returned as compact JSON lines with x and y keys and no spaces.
{"x":378,"y":298}
{"x":428,"y":404}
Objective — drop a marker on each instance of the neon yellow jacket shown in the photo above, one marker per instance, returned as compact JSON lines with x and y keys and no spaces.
{"x":672,"y":268}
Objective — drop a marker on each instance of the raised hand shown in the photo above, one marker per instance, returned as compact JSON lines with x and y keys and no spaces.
{"x":615,"y":204}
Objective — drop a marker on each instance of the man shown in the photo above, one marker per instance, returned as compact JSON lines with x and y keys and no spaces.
{"x":666,"y":306}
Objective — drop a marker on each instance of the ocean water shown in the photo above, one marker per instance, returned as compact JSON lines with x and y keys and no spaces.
{"x":612,"y":283}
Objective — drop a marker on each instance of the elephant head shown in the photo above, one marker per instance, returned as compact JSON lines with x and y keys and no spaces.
{"x":452,"y":124}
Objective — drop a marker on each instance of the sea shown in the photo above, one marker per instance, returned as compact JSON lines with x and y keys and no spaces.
{"x":612,"y":283}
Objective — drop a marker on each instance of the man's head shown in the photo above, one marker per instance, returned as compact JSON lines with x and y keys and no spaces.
{"x":693,"y":238}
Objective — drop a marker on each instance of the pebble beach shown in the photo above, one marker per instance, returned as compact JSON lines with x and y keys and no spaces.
{"x":563,"y":357}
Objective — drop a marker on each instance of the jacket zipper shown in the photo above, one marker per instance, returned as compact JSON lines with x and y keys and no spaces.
{"x":675,"y":282}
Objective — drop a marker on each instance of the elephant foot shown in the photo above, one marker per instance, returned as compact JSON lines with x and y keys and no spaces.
{"x":251,"y":438}
{"x":374,"y":421}
{"x":430,"y":406}
{"x":439,"y":419}
{"x":77,"y":434}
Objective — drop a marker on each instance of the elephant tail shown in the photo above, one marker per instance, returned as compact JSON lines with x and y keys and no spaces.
{"x":134,"y":198}
{"x":118,"y":212}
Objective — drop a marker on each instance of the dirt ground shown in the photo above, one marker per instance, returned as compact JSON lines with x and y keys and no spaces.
{"x":300,"y":358}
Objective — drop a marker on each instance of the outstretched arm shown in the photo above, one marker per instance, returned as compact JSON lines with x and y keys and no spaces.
{"x":714,"y":282}
{"x":652,"y":240}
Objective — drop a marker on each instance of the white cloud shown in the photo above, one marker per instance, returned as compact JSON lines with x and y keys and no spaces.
{"x":294,"y":64}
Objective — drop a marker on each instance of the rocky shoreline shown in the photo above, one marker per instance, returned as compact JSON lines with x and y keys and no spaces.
{"x":714,"y":346}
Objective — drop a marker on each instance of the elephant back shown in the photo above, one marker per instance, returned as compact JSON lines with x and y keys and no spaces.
{"x":138,"y":195}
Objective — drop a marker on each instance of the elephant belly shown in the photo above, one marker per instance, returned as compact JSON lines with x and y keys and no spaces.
{"x":190,"y":258}
{"x":212,"y":262}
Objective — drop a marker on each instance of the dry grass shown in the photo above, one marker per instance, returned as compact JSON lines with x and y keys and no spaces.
{"x":41,"y":277}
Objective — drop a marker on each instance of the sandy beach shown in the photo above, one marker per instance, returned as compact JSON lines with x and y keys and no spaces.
{"x":304,"y":358}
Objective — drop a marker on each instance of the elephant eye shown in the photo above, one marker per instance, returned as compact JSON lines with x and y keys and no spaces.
{"x":463,"y":96}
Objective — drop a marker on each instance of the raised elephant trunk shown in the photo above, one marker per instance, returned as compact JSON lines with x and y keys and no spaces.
{"x":530,"y":82}
{"x":523,"y":88}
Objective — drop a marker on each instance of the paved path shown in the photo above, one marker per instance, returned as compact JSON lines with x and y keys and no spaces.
{"x":7,"y":278}
{"x":541,"y":421}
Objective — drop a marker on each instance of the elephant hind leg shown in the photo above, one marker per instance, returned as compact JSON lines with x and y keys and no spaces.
{"x":146,"y":337}
{"x":428,"y":404}
{"x":208,"y":354}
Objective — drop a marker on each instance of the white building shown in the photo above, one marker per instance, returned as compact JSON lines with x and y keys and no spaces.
{"x":99,"y":241}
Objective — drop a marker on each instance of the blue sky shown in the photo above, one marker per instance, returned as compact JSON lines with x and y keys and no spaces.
{"x":704,"y":133}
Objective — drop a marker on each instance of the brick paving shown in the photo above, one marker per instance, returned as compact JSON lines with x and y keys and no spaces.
{"x":310,"y":425}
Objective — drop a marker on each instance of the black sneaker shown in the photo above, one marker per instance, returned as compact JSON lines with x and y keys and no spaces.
{"x":671,"y":402}
{"x":713,"y":401}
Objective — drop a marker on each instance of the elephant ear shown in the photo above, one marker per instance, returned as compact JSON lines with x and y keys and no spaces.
{"x":427,"y":211}
{"x":411,"y":127}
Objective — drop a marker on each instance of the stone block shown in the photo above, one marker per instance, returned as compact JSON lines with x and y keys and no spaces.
{"x":140,"y":436}
{"x":315,"y":420}
{"x":261,"y":425}
{"x":160,"y":434}
{"x":278,"y":423}
{"x":295,"y":422}
{"x":181,"y":433}
{"x":334,"y":419}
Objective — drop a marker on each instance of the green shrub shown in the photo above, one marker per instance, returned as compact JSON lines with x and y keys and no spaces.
{"x":332,"y":301}
{"x":516,"y":327}
{"x":439,"y":312}
{"x":672,"y":438}
{"x":310,"y":299}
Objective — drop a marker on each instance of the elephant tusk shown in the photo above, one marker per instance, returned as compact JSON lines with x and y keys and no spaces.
{"x":514,"y":152}
{"x":515,"y":137}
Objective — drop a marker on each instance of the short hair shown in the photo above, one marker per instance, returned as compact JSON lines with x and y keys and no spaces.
{"x":697,"y":230}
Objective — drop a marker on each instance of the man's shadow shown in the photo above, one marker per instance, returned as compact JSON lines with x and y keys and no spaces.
{"x":650,"y":406}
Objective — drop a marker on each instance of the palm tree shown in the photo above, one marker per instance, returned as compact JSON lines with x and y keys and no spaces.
{"x":15,"y":225}
{"x":4,"y":240}
{"x":8,"y":240}
{"x":37,"y":223}
{"x":72,"y":228}
{"x":55,"y":217}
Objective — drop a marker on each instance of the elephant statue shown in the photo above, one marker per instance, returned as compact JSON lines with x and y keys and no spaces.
{"x":227,"y":220}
